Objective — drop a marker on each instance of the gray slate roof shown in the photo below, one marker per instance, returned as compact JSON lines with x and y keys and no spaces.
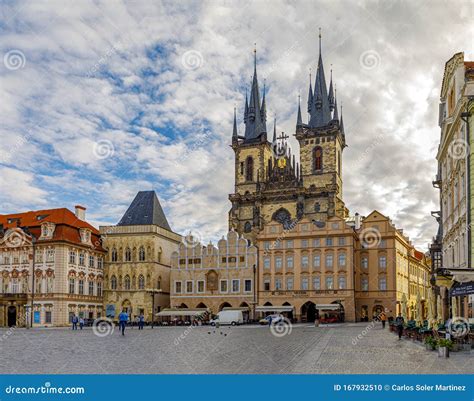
{"x":144,"y":210}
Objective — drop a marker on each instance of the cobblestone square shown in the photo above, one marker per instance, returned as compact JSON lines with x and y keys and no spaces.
{"x":246,"y":349}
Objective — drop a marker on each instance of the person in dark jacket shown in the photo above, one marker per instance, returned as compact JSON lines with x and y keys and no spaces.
{"x":141,"y":321}
{"x":74,"y":322}
{"x":123,"y":319}
{"x":399,"y":321}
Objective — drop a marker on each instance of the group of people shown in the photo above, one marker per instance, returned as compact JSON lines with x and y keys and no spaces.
{"x":123,"y":320}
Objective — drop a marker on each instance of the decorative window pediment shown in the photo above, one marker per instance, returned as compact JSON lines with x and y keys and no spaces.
{"x":85,"y":236}
{"x":47,"y":230}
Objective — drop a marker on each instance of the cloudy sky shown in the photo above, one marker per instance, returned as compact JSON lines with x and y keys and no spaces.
{"x":102,"y":99}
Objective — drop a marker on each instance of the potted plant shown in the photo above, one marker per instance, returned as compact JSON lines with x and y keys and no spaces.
{"x":430,"y":343}
{"x":444,"y":346}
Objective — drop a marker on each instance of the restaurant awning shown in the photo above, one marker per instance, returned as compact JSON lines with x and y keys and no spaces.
{"x":328,"y":306}
{"x":461,"y":289}
{"x":242,"y":308}
{"x":182,"y":312}
{"x":285,"y":308}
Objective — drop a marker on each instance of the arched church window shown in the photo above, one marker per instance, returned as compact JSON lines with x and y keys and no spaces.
{"x":141,"y":254}
{"x":249,"y":169}
{"x":113,"y":283}
{"x":127,"y":282}
{"x":339,"y":162}
{"x":141,"y":282}
{"x":114,"y":255}
{"x":318,"y":158}
{"x":247,"y":227}
{"x":128,"y":255}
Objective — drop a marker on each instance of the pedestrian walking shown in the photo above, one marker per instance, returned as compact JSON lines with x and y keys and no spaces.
{"x":399,"y":322}
{"x":383,"y":318}
{"x":81,"y":323}
{"x":123,"y":319}
{"x":141,"y":321}
{"x":74,"y":322}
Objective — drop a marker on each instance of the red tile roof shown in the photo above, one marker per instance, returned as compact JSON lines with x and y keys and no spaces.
{"x":67,"y":224}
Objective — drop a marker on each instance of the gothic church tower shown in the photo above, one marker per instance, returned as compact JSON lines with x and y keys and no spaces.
{"x":269,"y":183}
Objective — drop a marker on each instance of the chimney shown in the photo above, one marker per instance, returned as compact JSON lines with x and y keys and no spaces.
{"x":357,"y":221}
{"x":80,"y":212}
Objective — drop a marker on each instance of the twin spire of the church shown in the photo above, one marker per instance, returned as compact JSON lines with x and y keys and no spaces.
{"x":255,"y":114}
{"x":322,"y":105}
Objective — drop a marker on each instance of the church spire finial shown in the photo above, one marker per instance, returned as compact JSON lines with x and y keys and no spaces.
{"x":320,"y":40}
{"x":310,"y":94}
{"x":234,"y":132}
{"x":299,"y":120}
{"x":331,"y":94}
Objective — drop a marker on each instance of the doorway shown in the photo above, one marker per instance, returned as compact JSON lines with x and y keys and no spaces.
{"x":11,"y":316}
{"x":308,"y":310}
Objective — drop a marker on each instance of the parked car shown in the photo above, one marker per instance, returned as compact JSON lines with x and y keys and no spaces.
{"x":232,"y":317}
{"x":276,"y":318}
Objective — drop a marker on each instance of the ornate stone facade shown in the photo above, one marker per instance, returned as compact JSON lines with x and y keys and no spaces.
{"x":68,"y":264}
{"x":137,"y":268}
{"x":215,"y":277}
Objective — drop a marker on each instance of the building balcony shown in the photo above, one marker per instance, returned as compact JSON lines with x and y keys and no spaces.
{"x":306,"y":293}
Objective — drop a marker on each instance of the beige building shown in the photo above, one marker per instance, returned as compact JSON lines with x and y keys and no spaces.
{"x":67,"y":258}
{"x":215,"y":277}
{"x":388,"y":268}
{"x":137,"y":268}
{"x":455,"y":155}
{"x":307,"y":268}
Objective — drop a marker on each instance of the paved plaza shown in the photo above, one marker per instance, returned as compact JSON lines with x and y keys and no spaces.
{"x":245,"y":349}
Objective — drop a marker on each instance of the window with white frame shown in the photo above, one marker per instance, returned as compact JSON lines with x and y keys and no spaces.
{"x":304,"y":283}
{"x":342,"y":259}
{"x":91,"y":287}
{"x":278,"y":284}
{"x":364,"y":262}
{"x":316,"y":283}
{"x":91,"y":261}
{"x":200,"y":286}
{"x":364,"y":284}
{"x":248,"y":285}
{"x":342,"y":283}
{"x":329,"y":260}
{"x":382,"y":284}
{"x":266,"y":285}
{"x":178,"y":287}
{"x":289,"y":244}
{"x":223,"y":286}
{"x":289,"y":283}
{"x":81,"y":259}
{"x":317,"y":260}
{"x":100,"y":262}
{"x":289,"y":262}
{"x":316,"y":242}
{"x":342,"y":241}
{"x":50,"y":255}
{"x":99,"y":288}
{"x":81,"y":287}
{"x":235,"y":285}
{"x":329,"y":241}
{"x":278,"y":262}
{"x":329,"y":283}
{"x":189,"y":287}
{"x":304,"y":243}
{"x":382,"y":261}
{"x":304,"y":261}
{"x":72,"y":257}
{"x":266,"y":262}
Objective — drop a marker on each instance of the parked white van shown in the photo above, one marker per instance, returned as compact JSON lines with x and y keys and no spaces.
{"x":232,"y":317}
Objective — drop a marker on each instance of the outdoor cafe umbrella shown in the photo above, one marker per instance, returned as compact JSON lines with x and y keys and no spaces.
{"x":404,"y":307}
{"x":419,"y":317}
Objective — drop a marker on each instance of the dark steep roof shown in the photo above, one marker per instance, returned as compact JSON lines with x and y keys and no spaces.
{"x":145,"y":209}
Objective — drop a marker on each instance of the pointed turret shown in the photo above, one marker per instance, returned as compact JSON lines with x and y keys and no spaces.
{"x":255,"y":124}
{"x":235,"y":136}
{"x":274,"y":131}
{"x":299,"y":120}
{"x":331,"y":95}
{"x":263,"y":111}
{"x":335,"y":115}
{"x":246,"y":112}
{"x":320,"y":115}
{"x":310,"y":94}
{"x":341,"y":124}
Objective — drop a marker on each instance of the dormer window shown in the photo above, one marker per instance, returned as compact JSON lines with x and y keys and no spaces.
{"x":85,"y":235}
{"x":47,"y":230}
